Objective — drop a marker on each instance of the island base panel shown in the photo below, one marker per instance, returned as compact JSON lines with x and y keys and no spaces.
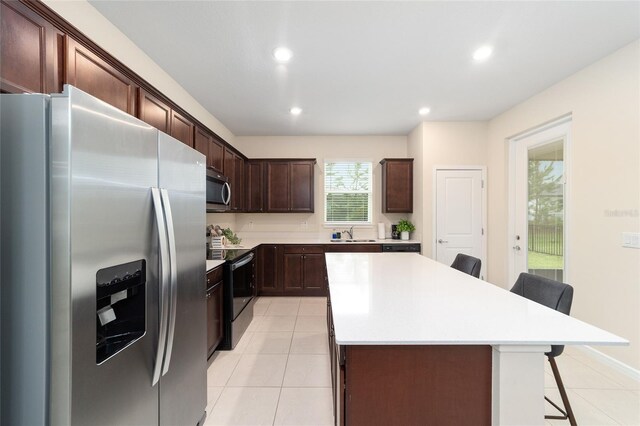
{"x":418,"y":385}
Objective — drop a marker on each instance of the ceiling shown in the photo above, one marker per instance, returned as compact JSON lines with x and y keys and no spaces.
{"x":367,"y":67}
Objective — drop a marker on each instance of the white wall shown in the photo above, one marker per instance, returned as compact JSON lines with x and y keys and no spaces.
{"x":94,"y":25}
{"x":415,"y":150}
{"x":604,"y":100}
{"x":373,"y":148}
{"x":442,"y":144}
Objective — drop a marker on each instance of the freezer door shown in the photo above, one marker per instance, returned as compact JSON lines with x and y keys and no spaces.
{"x":24,"y":273}
{"x":182,"y":182}
{"x":105,"y":258}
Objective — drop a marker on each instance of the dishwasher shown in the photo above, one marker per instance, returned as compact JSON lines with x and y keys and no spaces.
{"x":399,"y":247}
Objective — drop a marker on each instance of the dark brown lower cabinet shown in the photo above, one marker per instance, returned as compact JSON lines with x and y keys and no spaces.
{"x":352,"y":248}
{"x":313,"y":272}
{"x":299,"y":269}
{"x":214,"y":309}
{"x":409,"y":384}
{"x":269,"y":270}
{"x":293,"y":276}
{"x":304,"y":270}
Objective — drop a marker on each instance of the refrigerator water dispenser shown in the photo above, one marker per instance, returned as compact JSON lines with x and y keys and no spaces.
{"x":120,"y":307}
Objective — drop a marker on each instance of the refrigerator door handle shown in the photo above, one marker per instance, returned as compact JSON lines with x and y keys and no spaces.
{"x":174,"y":279}
{"x":163,"y":299}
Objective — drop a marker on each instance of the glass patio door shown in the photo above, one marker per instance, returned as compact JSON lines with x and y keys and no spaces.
{"x":539,"y":203}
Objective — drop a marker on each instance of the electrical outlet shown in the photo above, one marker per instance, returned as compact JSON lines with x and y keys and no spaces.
{"x":631,"y":239}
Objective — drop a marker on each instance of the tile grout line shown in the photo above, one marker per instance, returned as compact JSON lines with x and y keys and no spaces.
{"x":622,"y":386}
{"x":275,"y":414}
{"x":592,"y":406}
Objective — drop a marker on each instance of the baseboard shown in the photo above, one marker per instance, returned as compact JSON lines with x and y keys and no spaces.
{"x":619,"y":366}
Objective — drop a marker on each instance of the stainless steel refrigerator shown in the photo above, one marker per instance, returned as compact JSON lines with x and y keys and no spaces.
{"x":102,"y":303}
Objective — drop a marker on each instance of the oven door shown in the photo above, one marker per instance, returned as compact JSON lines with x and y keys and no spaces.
{"x":218,"y":192}
{"x":242,"y":276}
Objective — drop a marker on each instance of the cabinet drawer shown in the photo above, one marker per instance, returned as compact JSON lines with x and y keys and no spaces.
{"x":293,"y":249}
{"x":214,"y":276}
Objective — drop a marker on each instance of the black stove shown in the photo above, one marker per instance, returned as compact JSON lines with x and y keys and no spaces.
{"x":239,"y":292}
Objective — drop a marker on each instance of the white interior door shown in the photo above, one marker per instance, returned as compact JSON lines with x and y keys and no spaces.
{"x":538,"y":210}
{"x":459,"y":215}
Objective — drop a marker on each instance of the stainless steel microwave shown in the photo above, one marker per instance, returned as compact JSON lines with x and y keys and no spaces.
{"x":218,"y":192}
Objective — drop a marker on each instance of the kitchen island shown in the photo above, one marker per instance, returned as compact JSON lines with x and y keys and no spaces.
{"x":416,"y":342}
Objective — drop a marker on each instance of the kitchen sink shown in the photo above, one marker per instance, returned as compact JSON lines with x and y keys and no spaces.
{"x":353,"y":241}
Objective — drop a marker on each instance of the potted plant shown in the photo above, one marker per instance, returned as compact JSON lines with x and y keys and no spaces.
{"x":404,"y":227}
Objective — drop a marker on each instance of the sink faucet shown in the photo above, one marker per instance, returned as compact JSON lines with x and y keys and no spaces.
{"x":350,"y":232}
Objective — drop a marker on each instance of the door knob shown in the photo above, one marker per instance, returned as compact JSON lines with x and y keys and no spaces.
{"x":441,"y":241}
{"x":516,"y":248}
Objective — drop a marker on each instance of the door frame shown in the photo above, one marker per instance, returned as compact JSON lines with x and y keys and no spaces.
{"x":434,"y":209}
{"x":563,"y":120}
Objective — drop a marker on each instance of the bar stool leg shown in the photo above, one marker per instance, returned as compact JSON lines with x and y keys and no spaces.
{"x":563,"y":394}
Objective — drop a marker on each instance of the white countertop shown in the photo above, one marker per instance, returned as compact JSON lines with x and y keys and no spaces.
{"x":405,"y":298}
{"x":213,"y":264}
{"x":249,"y":244}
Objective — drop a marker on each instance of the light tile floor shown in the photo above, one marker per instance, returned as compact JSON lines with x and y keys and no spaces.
{"x":278,"y":374}
{"x":599,"y":394}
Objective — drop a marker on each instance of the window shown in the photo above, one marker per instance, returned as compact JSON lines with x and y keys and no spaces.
{"x":347,"y":191}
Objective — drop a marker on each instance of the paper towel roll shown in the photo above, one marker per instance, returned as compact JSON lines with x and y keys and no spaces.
{"x":381,"y":231}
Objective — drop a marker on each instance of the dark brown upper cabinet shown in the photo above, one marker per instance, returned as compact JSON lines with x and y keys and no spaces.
{"x":182,"y":128}
{"x":233,"y":169}
{"x":301,"y":186}
{"x":40,"y":51}
{"x":216,"y":155}
{"x":31,"y":51}
{"x":92,"y":74}
{"x":201,"y":142}
{"x":289,"y":186}
{"x":239,"y":183}
{"x":229,"y":163}
{"x":397,"y":185}
{"x":277,"y":185}
{"x":153,"y":111}
{"x":254,"y":188}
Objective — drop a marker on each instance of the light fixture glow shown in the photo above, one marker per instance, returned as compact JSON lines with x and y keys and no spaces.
{"x":282,"y":54}
{"x":295,"y":111}
{"x":482,"y":53}
{"x":424,"y":111}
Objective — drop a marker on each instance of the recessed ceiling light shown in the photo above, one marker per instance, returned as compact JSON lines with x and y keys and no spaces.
{"x":424,"y":111}
{"x":482,"y":53}
{"x":282,"y":54}
{"x":295,"y":111}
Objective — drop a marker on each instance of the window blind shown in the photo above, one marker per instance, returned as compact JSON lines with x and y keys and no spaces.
{"x":347,"y":186}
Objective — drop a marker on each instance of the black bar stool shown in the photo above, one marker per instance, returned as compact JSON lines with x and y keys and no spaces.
{"x":467,"y":264}
{"x":558,"y":296}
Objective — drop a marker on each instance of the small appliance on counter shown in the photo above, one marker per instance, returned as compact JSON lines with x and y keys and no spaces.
{"x":395,"y":235}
